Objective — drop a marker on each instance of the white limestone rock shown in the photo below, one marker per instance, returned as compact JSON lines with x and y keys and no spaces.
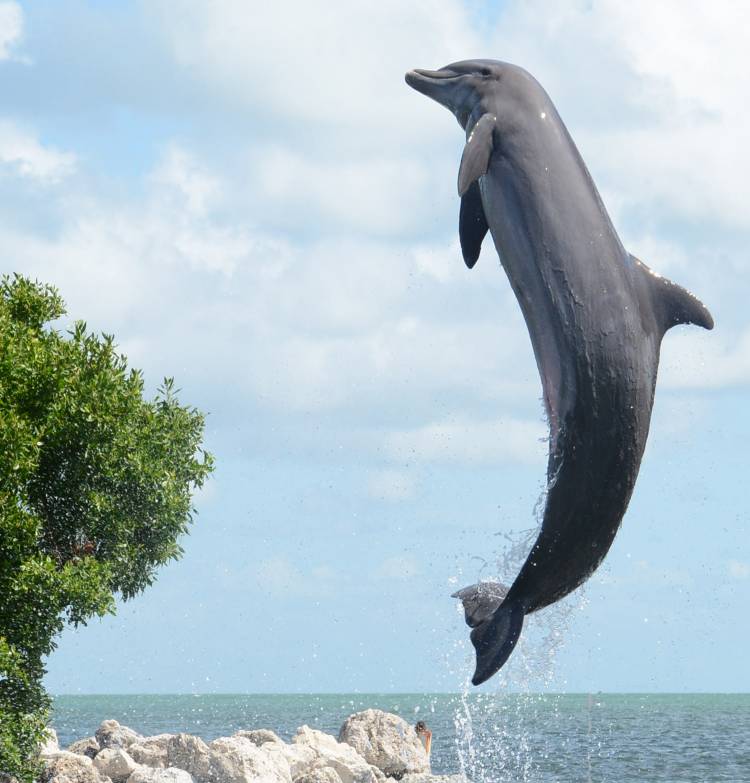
{"x":111,"y":734}
{"x":50,"y":745}
{"x":168,"y":775}
{"x":299,"y":758}
{"x":114,"y":763}
{"x":340,"y":756}
{"x":259,"y":736}
{"x":320,"y":775}
{"x":143,"y":774}
{"x":191,"y":754}
{"x":386,"y":741}
{"x":67,"y":767}
{"x":85,"y":747}
{"x":152,"y":751}
{"x":239,"y":760}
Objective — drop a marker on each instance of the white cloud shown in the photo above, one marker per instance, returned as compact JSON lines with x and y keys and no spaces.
{"x":441,"y":262}
{"x":282,"y":578}
{"x":397,"y":361}
{"x":646,"y":120}
{"x":680,"y":415}
{"x":468,"y":440}
{"x":299,"y":325}
{"x":190,"y":184}
{"x":115,"y":260}
{"x":337,"y":139}
{"x":279,"y":576}
{"x":373,"y":193}
{"x":205,"y":495}
{"x":301,"y":65}
{"x":23,"y":154}
{"x":399,"y":568}
{"x":123,"y":272}
{"x":738,"y":569}
{"x":664,"y":256}
{"x":655,"y":94}
{"x":693,"y":359}
{"x":642,"y":572}
{"x":11,"y":27}
{"x":391,"y":485}
{"x":282,"y":267}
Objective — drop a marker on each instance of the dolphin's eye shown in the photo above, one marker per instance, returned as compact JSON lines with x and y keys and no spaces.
{"x":485,"y":71}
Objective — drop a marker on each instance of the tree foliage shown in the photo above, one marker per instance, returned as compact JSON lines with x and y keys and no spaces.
{"x":95,"y":491}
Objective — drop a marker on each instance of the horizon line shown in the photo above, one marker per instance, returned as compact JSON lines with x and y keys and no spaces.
{"x":408,"y":693}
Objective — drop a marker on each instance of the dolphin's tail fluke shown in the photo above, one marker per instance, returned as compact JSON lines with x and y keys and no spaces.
{"x":495,"y":639}
{"x":496,"y":623}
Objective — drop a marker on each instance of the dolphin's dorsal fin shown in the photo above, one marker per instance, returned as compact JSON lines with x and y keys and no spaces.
{"x":480,"y":601}
{"x":476,"y":155}
{"x":674,"y":304}
{"x":472,"y":224}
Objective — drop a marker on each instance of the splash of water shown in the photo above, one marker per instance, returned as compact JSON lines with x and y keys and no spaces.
{"x":496,"y":739}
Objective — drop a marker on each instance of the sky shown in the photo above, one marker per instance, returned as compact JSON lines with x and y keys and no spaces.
{"x":250,"y":198}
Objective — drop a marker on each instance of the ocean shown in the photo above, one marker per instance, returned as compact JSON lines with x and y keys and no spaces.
{"x":491,"y":738}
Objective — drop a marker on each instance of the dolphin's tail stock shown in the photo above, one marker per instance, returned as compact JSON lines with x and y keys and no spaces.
{"x":497,"y":626}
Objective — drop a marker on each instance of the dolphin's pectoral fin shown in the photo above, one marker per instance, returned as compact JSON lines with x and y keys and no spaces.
{"x":472,"y":224}
{"x":495,"y":639}
{"x":480,"y":601}
{"x":673,"y":303}
{"x":476,"y":155}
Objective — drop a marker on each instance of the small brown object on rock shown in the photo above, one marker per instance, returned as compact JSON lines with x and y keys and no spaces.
{"x":425,"y":735}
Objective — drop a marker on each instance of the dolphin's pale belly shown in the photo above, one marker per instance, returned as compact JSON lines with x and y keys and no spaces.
{"x":597,"y":363}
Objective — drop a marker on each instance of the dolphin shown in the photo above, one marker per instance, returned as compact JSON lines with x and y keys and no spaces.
{"x":596,"y":316}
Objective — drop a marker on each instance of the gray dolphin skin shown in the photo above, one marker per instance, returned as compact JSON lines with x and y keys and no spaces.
{"x":595,"y":314}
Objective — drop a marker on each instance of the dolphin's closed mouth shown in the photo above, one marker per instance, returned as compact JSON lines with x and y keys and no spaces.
{"x":444,"y":73}
{"x":433,"y":84}
{"x":419,"y":76}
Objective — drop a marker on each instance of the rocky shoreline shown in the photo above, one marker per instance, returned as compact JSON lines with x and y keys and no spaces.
{"x":372,"y":747}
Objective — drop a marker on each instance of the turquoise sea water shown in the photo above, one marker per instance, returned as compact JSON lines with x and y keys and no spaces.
{"x":491,"y":738}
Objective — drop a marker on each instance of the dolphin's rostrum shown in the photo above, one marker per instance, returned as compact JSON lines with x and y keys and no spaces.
{"x":595,"y":314}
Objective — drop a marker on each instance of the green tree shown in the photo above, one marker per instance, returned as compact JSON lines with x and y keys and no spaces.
{"x":95,"y":490}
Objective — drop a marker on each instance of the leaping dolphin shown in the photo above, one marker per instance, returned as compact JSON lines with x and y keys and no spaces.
{"x":596,"y":316}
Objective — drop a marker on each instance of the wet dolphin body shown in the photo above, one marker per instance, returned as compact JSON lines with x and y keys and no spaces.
{"x":595,"y":314}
